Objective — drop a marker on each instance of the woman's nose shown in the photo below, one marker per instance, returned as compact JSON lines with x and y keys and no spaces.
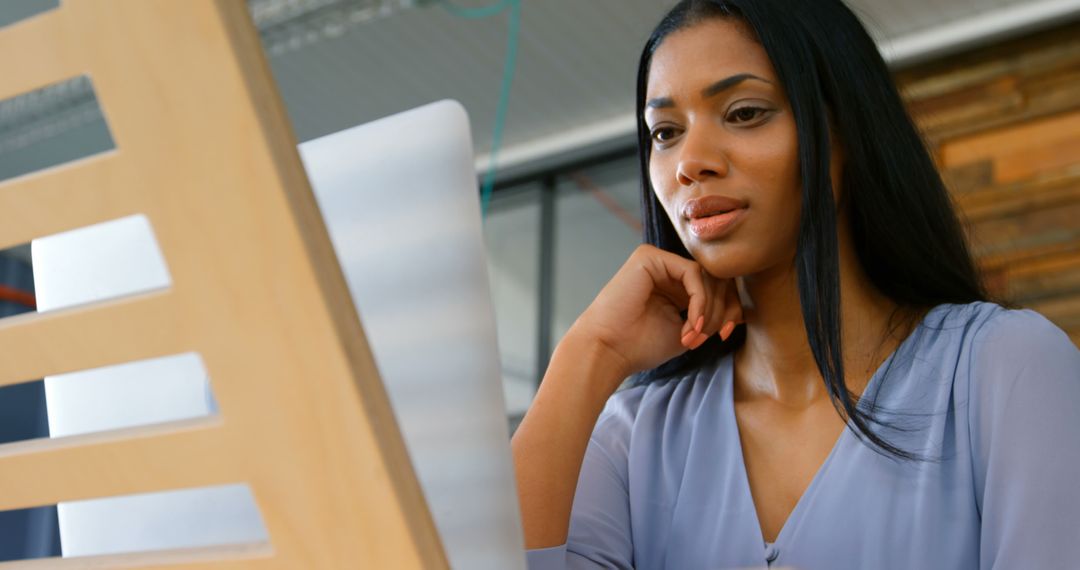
{"x":700,"y":159}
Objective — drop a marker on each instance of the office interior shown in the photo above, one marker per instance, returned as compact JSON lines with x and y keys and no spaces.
{"x":549,"y":87}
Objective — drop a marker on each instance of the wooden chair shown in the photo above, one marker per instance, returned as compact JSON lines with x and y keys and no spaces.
{"x":204,"y":150}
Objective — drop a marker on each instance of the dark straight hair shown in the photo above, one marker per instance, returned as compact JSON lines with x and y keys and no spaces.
{"x":906,"y":234}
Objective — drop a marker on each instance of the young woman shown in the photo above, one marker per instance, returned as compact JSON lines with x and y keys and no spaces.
{"x":820,"y":381}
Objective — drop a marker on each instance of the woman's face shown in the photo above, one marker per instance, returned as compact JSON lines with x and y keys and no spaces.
{"x":724,"y":161}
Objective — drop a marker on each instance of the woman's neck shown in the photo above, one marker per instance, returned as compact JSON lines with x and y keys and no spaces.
{"x":776,"y":363}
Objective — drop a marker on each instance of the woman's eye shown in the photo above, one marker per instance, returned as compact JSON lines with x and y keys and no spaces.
{"x":663,"y":134}
{"x":745,"y":114}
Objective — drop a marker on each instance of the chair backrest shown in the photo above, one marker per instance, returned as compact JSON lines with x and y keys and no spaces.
{"x":204,"y":151}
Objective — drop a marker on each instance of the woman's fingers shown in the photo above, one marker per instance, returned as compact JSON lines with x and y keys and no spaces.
{"x":732,"y":312}
{"x":719,"y":294}
{"x":699,"y":333}
{"x":706,"y":323}
{"x":680,"y":279}
{"x":723,"y":312}
{"x":712,"y":305}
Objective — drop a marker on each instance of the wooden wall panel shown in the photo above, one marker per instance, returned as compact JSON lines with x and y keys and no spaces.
{"x":1020,"y":152}
{"x":1004,"y":124}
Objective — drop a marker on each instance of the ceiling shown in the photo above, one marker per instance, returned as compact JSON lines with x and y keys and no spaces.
{"x":573,"y":87}
{"x":339,"y":63}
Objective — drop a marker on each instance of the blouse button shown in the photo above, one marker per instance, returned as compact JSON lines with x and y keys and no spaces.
{"x":771,"y":553}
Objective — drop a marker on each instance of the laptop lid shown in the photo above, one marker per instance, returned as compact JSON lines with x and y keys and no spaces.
{"x":401,"y":203}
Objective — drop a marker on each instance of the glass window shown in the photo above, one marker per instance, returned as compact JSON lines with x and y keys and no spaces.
{"x":597,"y":226}
{"x":512,"y":235}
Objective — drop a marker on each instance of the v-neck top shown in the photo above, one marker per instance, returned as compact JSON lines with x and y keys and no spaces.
{"x":991,"y":396}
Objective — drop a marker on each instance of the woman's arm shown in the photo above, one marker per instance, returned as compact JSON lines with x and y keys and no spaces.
{"x":550,"y":443}
{"x":634,"y":324}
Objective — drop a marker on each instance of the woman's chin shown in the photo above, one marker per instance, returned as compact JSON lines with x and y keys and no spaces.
{"x":725,"y":269}
{"x":723,"y":262}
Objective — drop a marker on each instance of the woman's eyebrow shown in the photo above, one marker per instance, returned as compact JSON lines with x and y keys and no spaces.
{"x":710,"y":91}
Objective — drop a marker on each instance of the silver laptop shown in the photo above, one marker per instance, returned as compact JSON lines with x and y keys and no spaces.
{"x":400,"y":200}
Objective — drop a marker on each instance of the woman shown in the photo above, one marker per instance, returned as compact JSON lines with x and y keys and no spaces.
{"x":820,"y":380}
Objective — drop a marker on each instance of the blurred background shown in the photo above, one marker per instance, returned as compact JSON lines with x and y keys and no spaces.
{"x":549,"y":85}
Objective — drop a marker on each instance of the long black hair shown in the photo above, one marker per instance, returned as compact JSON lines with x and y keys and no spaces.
{"x":906,"y":234}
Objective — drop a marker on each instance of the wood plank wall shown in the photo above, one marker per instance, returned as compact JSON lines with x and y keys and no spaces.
{"x":1004,"y":125}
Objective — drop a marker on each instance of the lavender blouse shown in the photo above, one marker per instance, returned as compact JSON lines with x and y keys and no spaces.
{"x":992,"y":394}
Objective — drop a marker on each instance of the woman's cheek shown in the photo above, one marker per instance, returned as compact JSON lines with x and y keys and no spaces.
{"x":661,"y":190}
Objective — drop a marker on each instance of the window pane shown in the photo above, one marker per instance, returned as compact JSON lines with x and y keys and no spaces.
{"x":597,"y":226}
{"x":512,"y":235}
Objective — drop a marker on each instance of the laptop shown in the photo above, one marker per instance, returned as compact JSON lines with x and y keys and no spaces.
{"x":399,"y":198}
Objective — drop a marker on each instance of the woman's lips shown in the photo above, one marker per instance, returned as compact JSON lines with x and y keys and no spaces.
{"x":715,"y":226}
{"x":712,"y":216}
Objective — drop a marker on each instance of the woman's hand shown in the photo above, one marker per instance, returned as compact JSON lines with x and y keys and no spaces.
{"x":634,"y":323}
{"x":636,"y":319}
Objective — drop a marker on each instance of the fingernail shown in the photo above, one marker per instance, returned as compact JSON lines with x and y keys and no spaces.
{"x":686,"y":337}
{"x":700,"y":341}
{"x":700,"y":323}
{"x":725,"y":332}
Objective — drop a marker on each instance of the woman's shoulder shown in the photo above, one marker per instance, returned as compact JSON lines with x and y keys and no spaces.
{"x":973,"y":327}
{"x":963,"y":318}
{"x":1013,"y":341}
{"x":989,"y":332}
{"x":995,"y":349}
{"x":1024,"y":329}
{"x":661,"y":405}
